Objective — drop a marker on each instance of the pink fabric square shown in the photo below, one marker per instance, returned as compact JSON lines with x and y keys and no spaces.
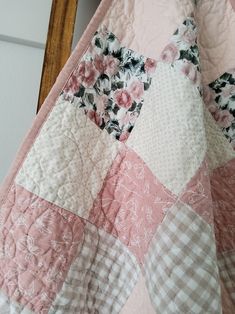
{"x":197,"y":193}
{"x":37,"y":246}
{"x":131,"y":203}
{"x":223,"y":194}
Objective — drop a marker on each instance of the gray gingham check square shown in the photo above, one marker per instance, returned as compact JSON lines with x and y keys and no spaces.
{"x":100,"y":279}
{"x":226,"y":262}
{"x":180,"y":267}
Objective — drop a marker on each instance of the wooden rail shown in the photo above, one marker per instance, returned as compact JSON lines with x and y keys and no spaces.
{"x":58,"y":45}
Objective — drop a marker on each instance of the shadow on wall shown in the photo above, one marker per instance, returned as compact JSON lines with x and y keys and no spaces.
{"x":86,"y":10}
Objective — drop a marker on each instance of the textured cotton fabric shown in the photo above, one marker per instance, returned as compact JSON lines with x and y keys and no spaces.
{"x":121,"y":197}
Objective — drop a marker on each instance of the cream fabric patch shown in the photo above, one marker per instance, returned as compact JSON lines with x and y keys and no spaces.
{"x":169,"y":133}
{"x":68,"y":160}
{"x":219,"y":150}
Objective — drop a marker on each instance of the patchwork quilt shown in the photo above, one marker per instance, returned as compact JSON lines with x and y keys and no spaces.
{"x":122,"y":196}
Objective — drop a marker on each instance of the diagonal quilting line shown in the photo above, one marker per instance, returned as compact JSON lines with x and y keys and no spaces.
{"x":222,"y":189}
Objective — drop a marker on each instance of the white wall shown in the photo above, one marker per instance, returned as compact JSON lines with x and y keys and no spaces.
{"x":23,"y":30}
{"x":86,"y":9}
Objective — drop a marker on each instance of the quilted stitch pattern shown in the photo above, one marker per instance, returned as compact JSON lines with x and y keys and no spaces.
{"x":37,"y":246}
{"x":101,"y":277}
{"x":226,"y":262}
{"x":222,"y":190}
{"x":169,"y":134}
{"x":69,"y":159}
{"x":216,"y":23}
{"x":151,"y":39}
{"x":181,"y":272}
{"x":131,"y":203}
{"x":87,"y":213}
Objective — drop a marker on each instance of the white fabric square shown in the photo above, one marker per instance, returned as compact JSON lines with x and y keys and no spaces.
{"x":69,"y":159}
{"x":169,"y":134}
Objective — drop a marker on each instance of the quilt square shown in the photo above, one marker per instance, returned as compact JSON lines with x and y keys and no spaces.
{"x":101,"y":277}
{"x":132,"y":202}
{"x":180,"y":268}
{"x":69,"y":160}
{"x":219,"y":97}
{"x":109,"y":84}
{"x":38,"y":242}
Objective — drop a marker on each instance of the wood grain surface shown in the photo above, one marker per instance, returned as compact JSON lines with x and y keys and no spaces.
{"x":58,"y":45}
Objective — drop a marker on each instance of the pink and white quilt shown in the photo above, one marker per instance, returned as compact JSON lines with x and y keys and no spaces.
{"x":122,"y":196}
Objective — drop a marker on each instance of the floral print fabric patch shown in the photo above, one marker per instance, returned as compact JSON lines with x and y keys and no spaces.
{"x":109,"y":84}
{"x":182,"y":52}
{"x":219,"y":98}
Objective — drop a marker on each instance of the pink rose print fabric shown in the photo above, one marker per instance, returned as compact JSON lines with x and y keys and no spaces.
{"x":182,"y":52}
{"x":219,"y":98}
{"x":109,"y":84}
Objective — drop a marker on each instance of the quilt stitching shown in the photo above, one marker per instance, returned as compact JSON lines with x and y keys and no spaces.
{"x":89,"y":88}
{"x":38,"y":243}
{"x":49,"y":256}
{"x":185,"y":277}
{"x":226,"y":262}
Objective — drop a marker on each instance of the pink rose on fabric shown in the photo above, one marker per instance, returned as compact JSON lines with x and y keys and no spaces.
{"x":106,"y":64}
{"x":189,"y":36}
{"x":87,"y":73}
{"x":207,"y":95}
{"x":95,"y":117}
{"x":111,"y":65}
{"x":128,"y":117}
{"x":123,"y":98}
{"x":136,"y":89}
{"x":233,"y":144}
{"x":150,"y":65}
{"x":191,"y":72}
{"x":99,"y":63}
{"x":228,"y":91}
{"x":224,"y":118}
{"x":212,"y":108}
{"x":170,"y":53}
{"x":72,"y":85}
{"x":101,"y":102}
{"x":124,"y":136}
